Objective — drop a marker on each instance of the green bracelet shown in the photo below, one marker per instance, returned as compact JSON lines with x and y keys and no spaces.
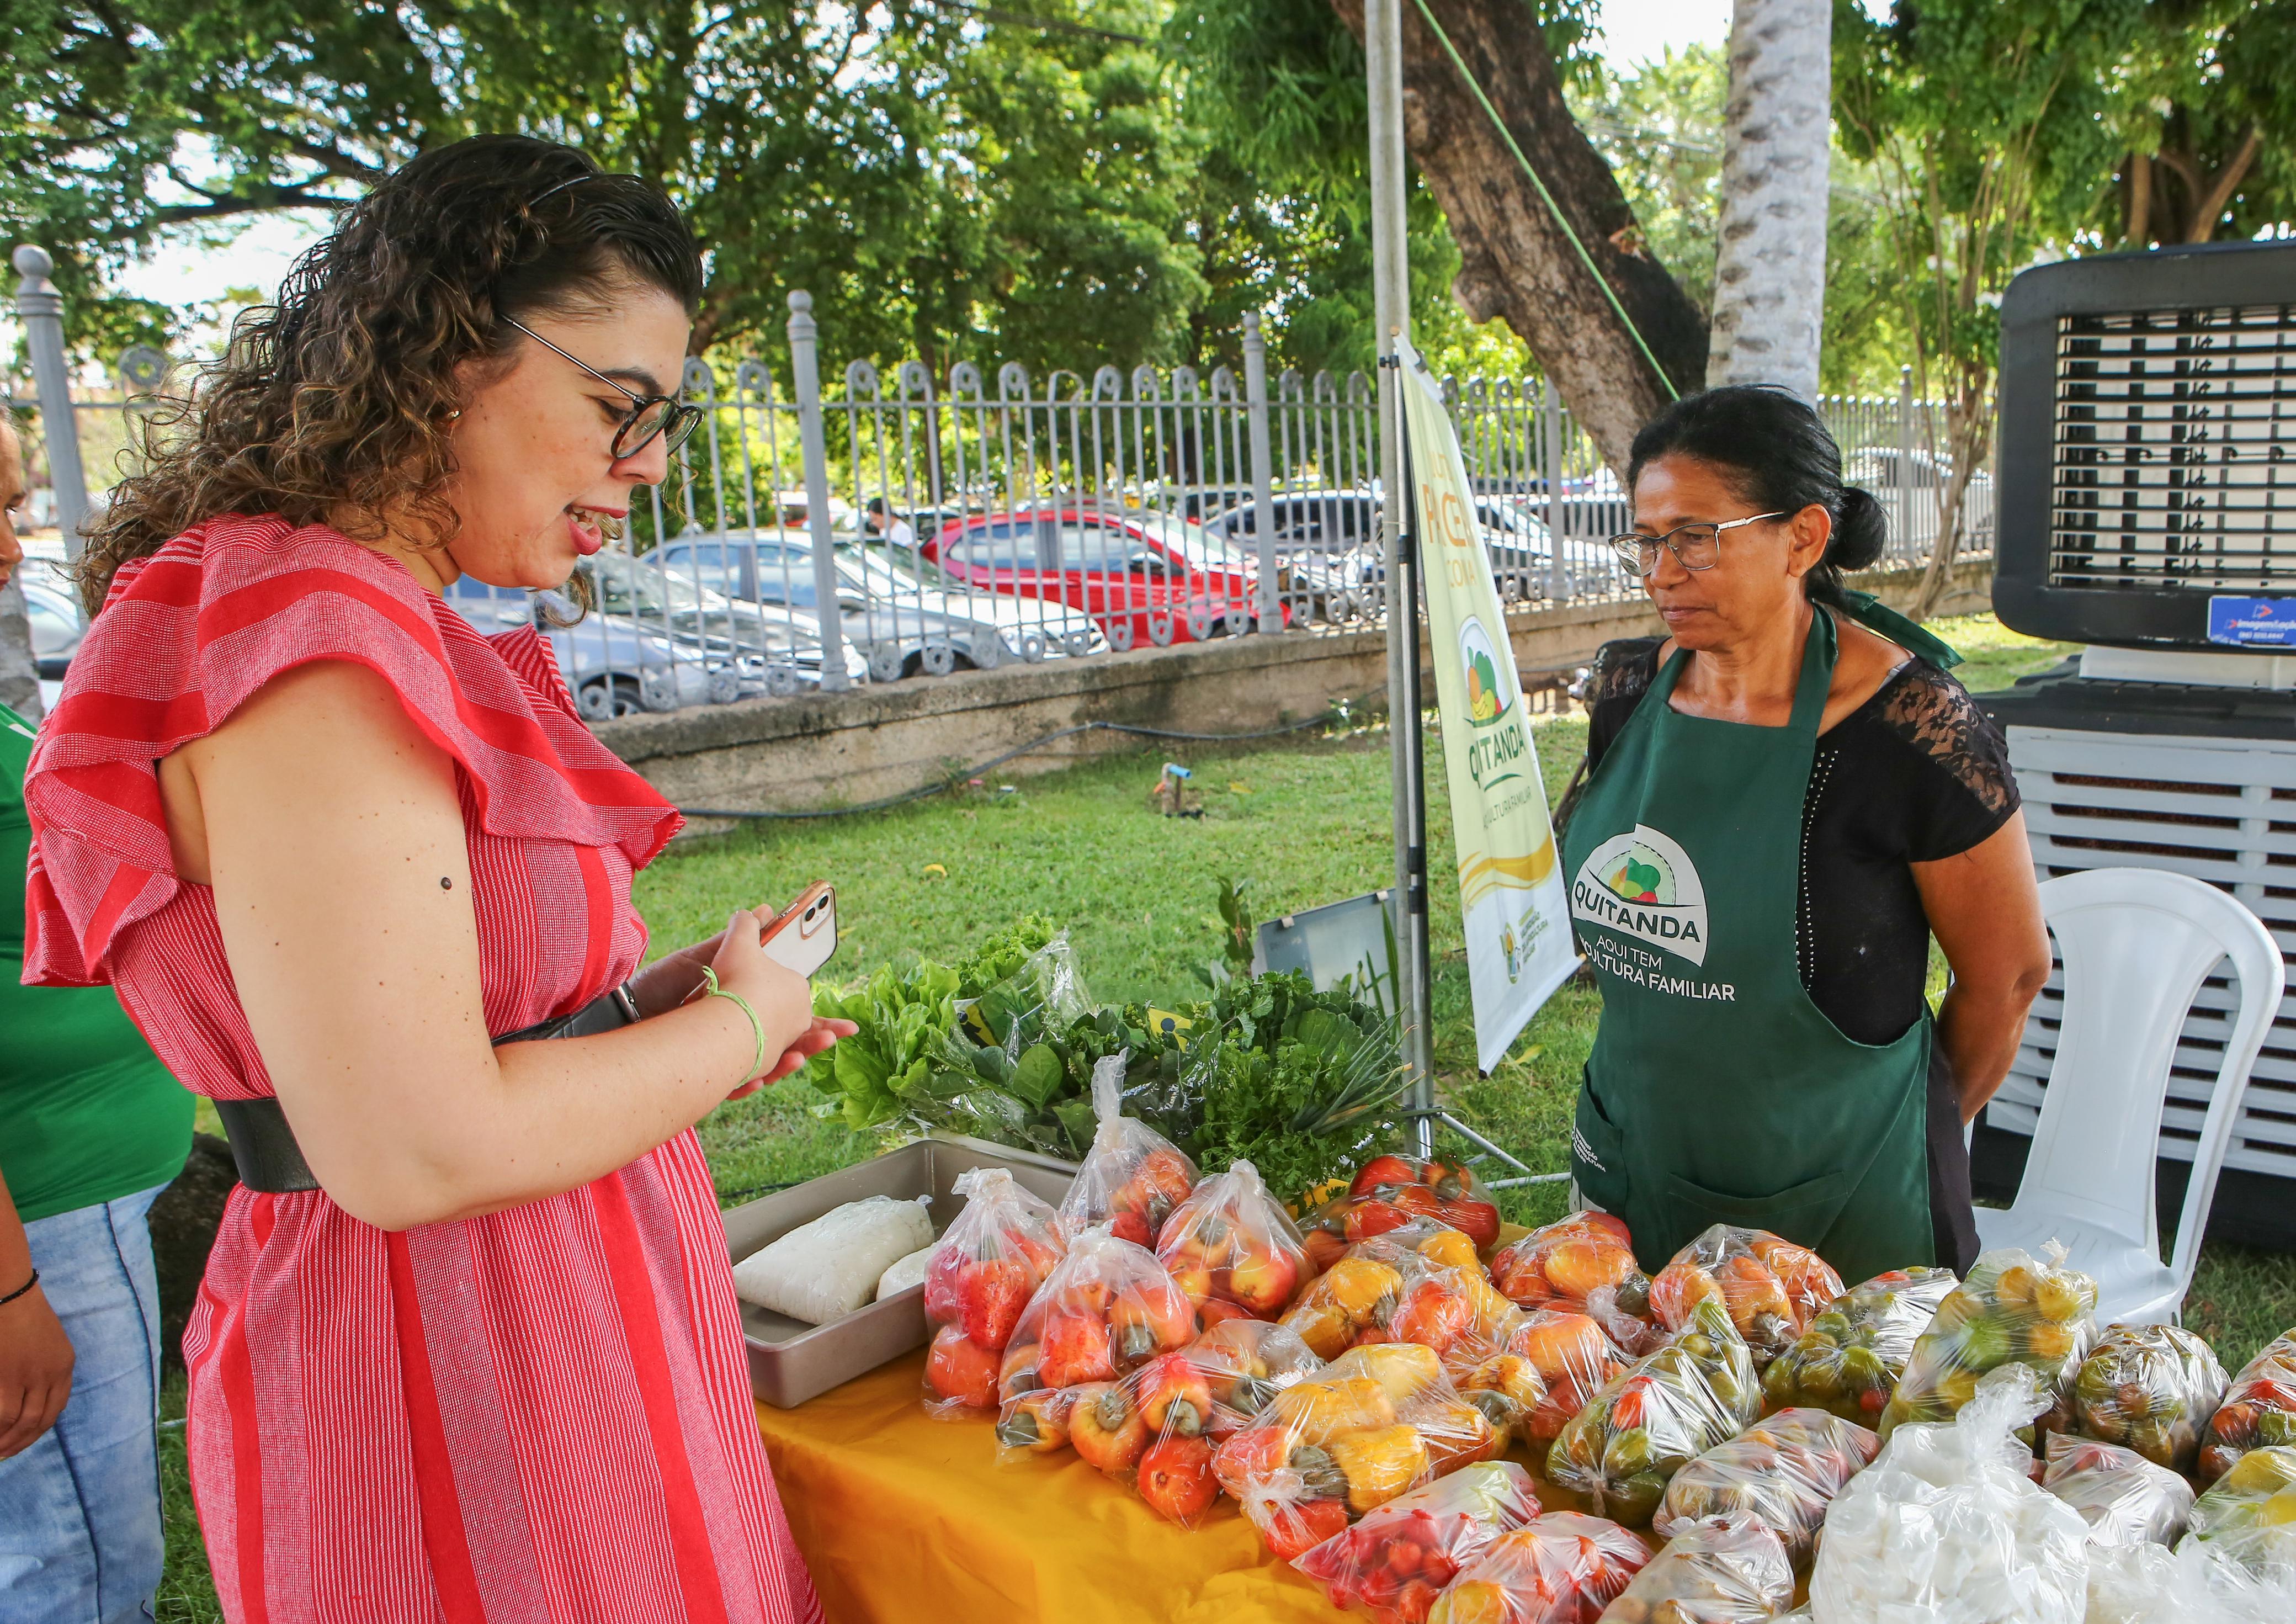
{"x":709,"y":979}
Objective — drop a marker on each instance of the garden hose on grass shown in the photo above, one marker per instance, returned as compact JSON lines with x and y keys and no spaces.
{"x":1340,"y":713}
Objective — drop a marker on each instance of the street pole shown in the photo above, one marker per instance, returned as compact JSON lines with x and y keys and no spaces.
{"x":1391,"y":307}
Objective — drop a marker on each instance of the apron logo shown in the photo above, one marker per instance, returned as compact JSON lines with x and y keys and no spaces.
{"x":1645,"y":886}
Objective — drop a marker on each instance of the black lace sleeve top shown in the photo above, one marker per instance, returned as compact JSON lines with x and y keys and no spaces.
{"x":1914,"y":773}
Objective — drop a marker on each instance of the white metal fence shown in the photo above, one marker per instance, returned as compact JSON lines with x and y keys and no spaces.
{"x":895,"y":525}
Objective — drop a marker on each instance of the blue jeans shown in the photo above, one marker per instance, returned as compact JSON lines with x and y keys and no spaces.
{"x":79,"y":1510}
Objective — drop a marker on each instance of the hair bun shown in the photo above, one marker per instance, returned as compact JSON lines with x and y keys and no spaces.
{"x":1859,"y":533}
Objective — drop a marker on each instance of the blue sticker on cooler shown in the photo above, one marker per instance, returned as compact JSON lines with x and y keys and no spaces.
{"x":2253,"y":622}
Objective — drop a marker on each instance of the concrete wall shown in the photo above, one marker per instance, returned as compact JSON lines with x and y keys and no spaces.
{"x":829,"y":750}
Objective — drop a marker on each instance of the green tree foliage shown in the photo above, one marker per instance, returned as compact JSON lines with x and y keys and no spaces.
{"x":2207,"y":116}
{"x":944,"y":187}
{"x":1987,"y":128}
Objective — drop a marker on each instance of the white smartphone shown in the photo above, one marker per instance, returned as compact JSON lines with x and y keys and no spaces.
{"x":804,"y":934}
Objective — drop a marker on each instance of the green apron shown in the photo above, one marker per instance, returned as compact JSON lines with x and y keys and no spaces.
{"x":1718,"y":1092}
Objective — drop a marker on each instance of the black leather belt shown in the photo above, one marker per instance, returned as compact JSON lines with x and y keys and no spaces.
{"x":264,"y":1148}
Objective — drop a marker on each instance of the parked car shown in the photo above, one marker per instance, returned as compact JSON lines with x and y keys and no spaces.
{"x":1327,"y":521}
{"x":1521,"y":555}
{"x":57,"y":623}
{"x":1141,"y":577}
{"x":900,"y":621}
{"x":1911,"y":502}
{"x":672,"y":604}
{"x":57,"y":626}
{"x":612,"y":667}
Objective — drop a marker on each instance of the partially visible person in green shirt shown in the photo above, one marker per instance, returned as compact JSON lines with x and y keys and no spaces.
{"x":91,"y":1127}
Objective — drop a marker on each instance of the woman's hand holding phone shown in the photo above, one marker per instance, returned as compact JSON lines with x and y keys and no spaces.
{"x":782,"y":998}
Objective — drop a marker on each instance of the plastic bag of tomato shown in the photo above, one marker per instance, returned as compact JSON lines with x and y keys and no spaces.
{"x":1376,"y":1423}
{"x":1395,"y":1563}
{"x":1565,"y":1567}
{"x":2150,"y":1388}
{"x":2013,"y":1308}
{"x":2259,"y":1409}
{"x":1387,"y":1192}
{"x":2125,"y":1499}
{"x":978,"y":1283}
{"x":1784,"y":1471}
{"x":1772,"y":1287}
{"x":1851,"y":1358}
{"x":1107,"y":1308}
{"x":1232,"y":1249}
{"x":1664,"y":1411}
{"x":1715,"y":1570}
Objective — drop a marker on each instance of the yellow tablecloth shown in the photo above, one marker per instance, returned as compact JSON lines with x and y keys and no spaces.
{"x":904,"y":1519}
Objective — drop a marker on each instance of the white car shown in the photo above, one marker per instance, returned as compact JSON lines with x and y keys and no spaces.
{"x":1912,"y":505}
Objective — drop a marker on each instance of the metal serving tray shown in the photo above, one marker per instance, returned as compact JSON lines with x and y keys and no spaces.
{"x":790,"y":1361}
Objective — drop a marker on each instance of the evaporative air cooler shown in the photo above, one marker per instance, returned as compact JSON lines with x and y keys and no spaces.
{"x":2147,"y":489}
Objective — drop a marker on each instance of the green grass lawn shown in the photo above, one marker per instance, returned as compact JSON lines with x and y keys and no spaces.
{"x":1307,"y":823}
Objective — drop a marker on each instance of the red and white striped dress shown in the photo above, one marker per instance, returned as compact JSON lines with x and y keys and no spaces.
{"x":543,"y":1413}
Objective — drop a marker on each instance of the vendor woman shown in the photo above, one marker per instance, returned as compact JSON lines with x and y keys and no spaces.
{"x":1784,"y":799}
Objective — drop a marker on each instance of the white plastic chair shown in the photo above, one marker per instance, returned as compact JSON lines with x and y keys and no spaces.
{"x":2134,"y":944}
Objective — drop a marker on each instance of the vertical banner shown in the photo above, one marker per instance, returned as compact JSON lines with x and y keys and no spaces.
{"x":1512,"y":894}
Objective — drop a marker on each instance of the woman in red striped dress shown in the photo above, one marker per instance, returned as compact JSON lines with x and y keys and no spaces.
{"x":467,"y":1348}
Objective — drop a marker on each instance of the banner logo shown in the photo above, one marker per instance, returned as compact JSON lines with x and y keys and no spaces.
{"x":1645,"y":886}
{"x":1488,"y":697}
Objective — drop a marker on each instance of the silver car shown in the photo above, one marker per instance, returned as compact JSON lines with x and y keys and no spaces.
{"x":57,"y":626}
{"x":1911,"y":504}
{"x":612,"y":667}
{"x":672,"y":604}
{"x":901,"y":619}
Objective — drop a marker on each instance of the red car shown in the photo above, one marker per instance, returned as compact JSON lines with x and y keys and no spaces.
{"x":1144,"y":578}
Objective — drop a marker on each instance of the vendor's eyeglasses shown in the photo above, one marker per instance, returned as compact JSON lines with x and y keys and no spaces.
{"x":648,"y":415}
{"x":1694,"y":547}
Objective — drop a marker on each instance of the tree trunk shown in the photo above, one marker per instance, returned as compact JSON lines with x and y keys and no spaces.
{"x":1968,"y":428}
{"x":1516,"y":262}
{"x":19,"y":677}
{"x":1769,"y":271}
{"x":2208,"y":208}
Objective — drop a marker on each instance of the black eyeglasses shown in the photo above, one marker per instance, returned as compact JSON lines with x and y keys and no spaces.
{"x":648,"y":415}
{"x":1694,"y":547}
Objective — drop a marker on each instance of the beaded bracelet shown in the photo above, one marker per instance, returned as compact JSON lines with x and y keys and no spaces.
{"x":20,"y":1289}
{"x":709,"y":979}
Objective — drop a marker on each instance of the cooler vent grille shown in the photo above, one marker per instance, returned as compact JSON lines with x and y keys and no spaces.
{"x":2173,"y":436}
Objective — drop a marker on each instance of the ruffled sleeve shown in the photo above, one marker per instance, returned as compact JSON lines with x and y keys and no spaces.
{"x":190,"y":634}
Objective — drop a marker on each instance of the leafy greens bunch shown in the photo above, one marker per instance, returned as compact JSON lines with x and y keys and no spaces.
{"x":904,"y":1015}
{"x":1297,"y":1081}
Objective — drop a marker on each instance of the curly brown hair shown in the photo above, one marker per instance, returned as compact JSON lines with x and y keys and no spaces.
{"x":333,"y":406}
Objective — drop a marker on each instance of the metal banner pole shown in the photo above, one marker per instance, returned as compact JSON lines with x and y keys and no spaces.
{"x":1391,"y":305}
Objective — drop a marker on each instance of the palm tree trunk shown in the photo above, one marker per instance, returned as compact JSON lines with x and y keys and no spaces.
{"x":1769,"y":272}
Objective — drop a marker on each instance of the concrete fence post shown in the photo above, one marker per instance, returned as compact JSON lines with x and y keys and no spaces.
{"x":1268,"y":610}
{"x":41,"y":309}
{"x":1906,"y":461}
{"x":1559,"y":584}
{"x":805,"y":364}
